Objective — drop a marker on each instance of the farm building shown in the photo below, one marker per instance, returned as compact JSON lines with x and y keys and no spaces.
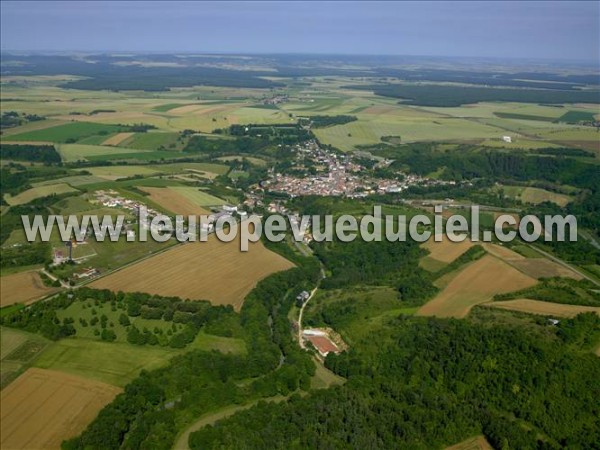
{"x":321,"y":342}
{"x":507,"y":139}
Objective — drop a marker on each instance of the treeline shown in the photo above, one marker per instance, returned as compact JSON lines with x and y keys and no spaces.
{"x":42,"y":318}
{"x":327,"y":121}
{"x":449,"y":96}
{"x":15,"y":177}
{"x":155,"y":406}
{"x":559,"y":290}
{"x":287,"y":133}
{"x":10,"y":119}
{"x":46,"y":154}
{"x":428,"y":383}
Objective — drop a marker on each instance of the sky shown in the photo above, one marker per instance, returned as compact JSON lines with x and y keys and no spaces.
{"x":508,"y":29}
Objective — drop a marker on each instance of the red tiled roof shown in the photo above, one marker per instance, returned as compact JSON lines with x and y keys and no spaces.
{"x":323,"y":344}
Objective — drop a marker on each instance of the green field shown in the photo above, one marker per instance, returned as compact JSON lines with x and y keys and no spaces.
{"x":75,"y":180}
{"x":38,"y":192}
{"x":576,"y":117}
{"x":151,"y":141}
{"x":139,"y":155}
{"x":535,"y":195}
{"x":82,"y":152}
{"x":369,"y":129}
{"x":18,"y":349}
{"x":253,"y":160}
{"x":119,"y":363}
{"x":110,"y":362}
{"x":197,"y":196}
{"x":67,"y":132}
{"x":168,"y":106}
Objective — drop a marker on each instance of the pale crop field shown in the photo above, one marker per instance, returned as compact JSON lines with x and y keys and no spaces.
{"x":118,"y":363}
{"x":212,"y":270}
{"x":474,"y":443}
{"x":116,"y":172}
{"x":369,"y":128}
{"x":23,"y":287}
{"x":216,"y":169}
{"x":151,"y":141}
{"x":446,"y":251}
{"x":535,"y":195}
{"x":117,"y":138}
{"x":543,"y":308}
{"x":173,"y":201}
{"x":38,"y":192}
{"x":42,"y":408}
{"x":477,"y":283}
{"x":544,"y":268}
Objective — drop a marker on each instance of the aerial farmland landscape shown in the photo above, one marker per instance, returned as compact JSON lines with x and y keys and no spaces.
{"x":209,"y":304}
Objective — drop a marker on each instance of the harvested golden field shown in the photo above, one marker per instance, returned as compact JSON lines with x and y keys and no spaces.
{"x":173,"y":201}
{"x":447,"y":251}
{"x":543,"y":308}
{"x":476,"y":284}
{"x":213,"y":270}
{"x":544,"y":268}
{"x":42,"y":408}
{"x":22,"y":287}
{"x":502,"y":252}
{"x":117,"y":138}
{"x":474,"y":443}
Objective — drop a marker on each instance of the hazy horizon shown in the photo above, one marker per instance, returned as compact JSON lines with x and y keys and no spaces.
{"x":551,"y":31}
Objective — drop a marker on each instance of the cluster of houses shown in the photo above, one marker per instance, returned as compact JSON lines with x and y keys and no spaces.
{"x":276,"y":100}
{"x":112,"y":199}
{"x":330,"y":174}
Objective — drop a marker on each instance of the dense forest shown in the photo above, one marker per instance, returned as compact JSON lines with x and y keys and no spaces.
{"x":452,"y":95}
{"x":327,"y":121}
{"x":427,"y":383}
{"x":46,"y":154}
